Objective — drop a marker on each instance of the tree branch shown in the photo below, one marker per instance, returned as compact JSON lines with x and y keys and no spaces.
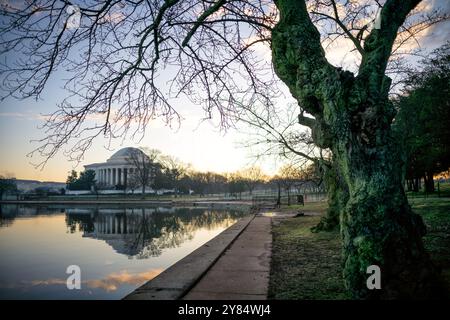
{"x":378,"y":44}
{"x":298,"y":57}
{"x":339,"y":22}
{"x":306,"y":121}
{"x":214,"y":8}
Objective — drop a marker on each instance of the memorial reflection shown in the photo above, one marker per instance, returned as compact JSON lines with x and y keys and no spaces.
{"x":136,"y":232}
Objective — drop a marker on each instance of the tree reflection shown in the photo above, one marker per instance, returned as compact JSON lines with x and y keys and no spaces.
{"x":136,"y":232}
{"x":145,"y":232}
{"x":9,"y":212}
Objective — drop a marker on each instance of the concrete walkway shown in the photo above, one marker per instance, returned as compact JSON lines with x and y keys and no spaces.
{"x":242,"y":271}
{"x":175,"y":281}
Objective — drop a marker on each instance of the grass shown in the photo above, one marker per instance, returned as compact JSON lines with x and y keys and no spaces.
{"x":307,"y":265}
{"x":436,"y":215}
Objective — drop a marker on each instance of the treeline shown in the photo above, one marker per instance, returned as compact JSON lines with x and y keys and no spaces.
{"x":162,"y":172}
{"x":422,"y":123}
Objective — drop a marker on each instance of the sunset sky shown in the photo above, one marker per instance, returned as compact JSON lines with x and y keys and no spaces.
{"x":201,"y":144}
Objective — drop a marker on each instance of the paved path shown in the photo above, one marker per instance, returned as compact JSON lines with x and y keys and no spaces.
{"x":242,"y":272}
{"x":175,"y":281}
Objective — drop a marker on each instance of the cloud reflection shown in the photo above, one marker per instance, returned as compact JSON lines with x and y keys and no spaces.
{"x":110,"y":283}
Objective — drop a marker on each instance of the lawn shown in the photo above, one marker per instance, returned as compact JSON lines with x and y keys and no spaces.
{"x":307,"y":265}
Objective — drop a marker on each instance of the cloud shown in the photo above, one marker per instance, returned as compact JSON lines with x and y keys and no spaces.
{"x":23,"y":115}
{"x":114,"y":280}
{"x":110,"y":283}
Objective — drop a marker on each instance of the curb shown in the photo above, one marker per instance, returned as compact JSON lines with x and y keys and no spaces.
{"x":174,"y":282}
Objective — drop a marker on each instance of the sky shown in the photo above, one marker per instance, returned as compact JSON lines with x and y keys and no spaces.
{"x":200,"y":144}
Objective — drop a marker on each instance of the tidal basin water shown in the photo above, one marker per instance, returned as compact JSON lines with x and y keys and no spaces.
{"x":117,"y":249}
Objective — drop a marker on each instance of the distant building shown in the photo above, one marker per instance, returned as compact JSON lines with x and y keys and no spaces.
{"x":116,"y":170}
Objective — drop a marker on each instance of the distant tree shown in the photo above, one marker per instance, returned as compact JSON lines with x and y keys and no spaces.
{"x":184,"y":184}
{"x":172,"y":171}
{"x":71,"y":179}
{"x":7,"y":185}
{"x":251,"y":177}
{"x":276,"y":180}
{"x":236,"y":184}
{"x":289,"y":176}
{"x":86,"y":180}
{"x":422,"y":123}
{"x":198,"y":182}
{"x":215,"y":183}
{"x":145,"y":166}
{"x":133,"y":182}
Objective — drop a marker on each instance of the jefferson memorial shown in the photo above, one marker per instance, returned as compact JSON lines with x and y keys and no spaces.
{"x":116,"y":170}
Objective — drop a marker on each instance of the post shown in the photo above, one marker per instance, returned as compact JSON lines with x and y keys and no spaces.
{"x":439,"y":189}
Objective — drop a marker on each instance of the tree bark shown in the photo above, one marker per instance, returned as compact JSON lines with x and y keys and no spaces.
{"x":337,"y":193}
{"x":353,"y":118}
{"x":379,"y":228}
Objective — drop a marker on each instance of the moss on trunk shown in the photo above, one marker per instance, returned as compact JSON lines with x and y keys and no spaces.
{"x":337,"y":193}
{"x":353,"y":118}
{"x":379,"y":228}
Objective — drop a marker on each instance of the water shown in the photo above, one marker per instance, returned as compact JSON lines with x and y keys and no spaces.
{"x":117,"y":249}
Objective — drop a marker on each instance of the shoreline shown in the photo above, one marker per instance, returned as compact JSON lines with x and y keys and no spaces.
{"x":178,"y":279}
{"x":172,"y":203}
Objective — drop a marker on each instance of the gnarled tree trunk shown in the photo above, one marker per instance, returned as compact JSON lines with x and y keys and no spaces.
{"x":337,"y":193}
{"x":378,"y":227}
{"x":352,"y":117}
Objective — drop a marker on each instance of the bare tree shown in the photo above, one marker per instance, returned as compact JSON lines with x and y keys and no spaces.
{"x":289,"y":176}
{"x":173,"y":169}
{"x":145,"y":165}
{"x":115,"y":60}
{"x":251,"y":177}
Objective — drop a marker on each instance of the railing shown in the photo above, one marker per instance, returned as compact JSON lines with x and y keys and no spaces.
{"x":273,"y":201}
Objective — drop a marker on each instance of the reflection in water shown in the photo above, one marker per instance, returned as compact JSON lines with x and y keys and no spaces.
{"x":144,"y":233}
{"x":118,"y":249}
{"x":110,"y":283}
